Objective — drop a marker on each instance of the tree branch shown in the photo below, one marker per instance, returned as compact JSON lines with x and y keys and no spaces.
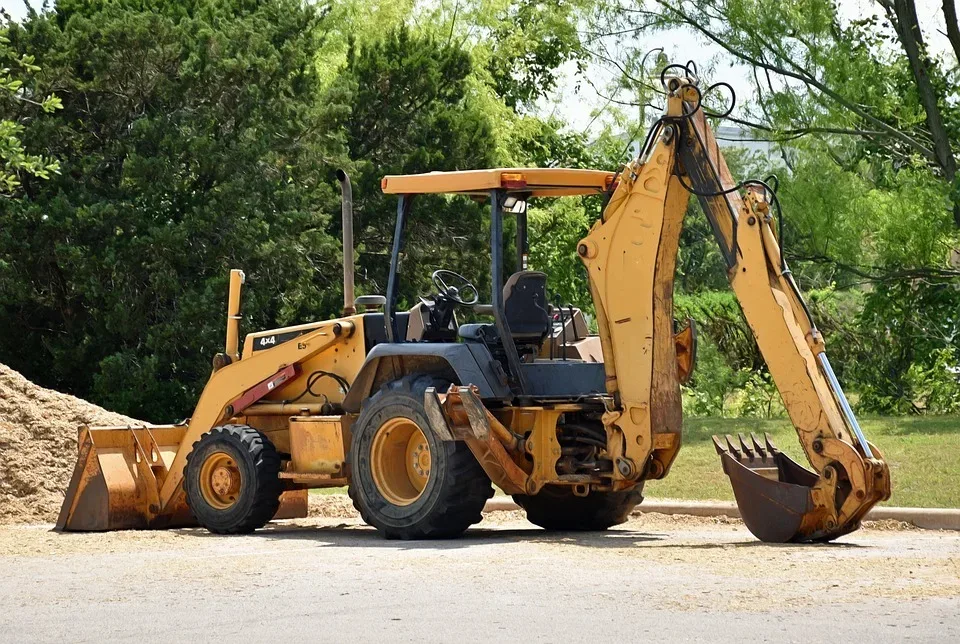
{"x":804,"y":78}
{"x":953,"y":30}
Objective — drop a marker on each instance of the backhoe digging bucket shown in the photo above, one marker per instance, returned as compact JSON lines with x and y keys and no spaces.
{"x":773,"y":492}
{"x":119,"y":472}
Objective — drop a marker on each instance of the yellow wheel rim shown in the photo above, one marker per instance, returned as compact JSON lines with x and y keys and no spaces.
{"x":220,"y":480}
{"x":400,"y":461}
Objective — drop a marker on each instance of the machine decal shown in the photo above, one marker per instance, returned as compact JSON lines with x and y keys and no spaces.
{"x":269,"y":341}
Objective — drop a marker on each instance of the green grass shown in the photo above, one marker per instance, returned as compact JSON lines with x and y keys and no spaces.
{"x":923,"y":454}
{"x":329,"y":490}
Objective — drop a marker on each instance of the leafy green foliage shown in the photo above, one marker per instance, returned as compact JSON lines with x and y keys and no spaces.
{"x":192,"y":140}
{"x":531,"y":40}
{"x":14,"y":95}
{"x":937,"y":384}
{"x":909,"y":333}
{"x":411,"y":112}
{"x":199,"y":136}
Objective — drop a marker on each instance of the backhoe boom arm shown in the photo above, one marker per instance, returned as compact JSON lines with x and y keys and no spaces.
{"x":632,"y":249}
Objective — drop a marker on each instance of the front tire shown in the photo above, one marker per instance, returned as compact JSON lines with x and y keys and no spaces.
{"x":404,"y":480}
{"x":232,"y":480}
{"x":558,"y":508}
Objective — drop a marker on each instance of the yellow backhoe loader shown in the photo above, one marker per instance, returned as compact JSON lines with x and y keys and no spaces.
{"x":418,"y":414}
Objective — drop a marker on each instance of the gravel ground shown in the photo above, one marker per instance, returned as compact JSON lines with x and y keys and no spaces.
{"x":333,"y":579}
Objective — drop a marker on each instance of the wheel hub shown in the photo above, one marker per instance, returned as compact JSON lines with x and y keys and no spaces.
{"x":400,"y":461}
{"x":220,"y":480}
{"x":420,"y":459}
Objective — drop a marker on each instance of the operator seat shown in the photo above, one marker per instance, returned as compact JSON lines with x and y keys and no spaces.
{"x":524,"y":309}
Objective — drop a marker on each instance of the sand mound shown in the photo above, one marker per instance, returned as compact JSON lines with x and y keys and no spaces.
{"x":331,"y":506}
{"x":38,"y":446}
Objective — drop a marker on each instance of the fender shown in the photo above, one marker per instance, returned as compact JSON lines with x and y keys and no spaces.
{"x":465,"y":363}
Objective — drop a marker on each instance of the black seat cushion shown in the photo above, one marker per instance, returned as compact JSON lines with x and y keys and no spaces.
{"x":525,"y":305}
{"x":525,"y":310}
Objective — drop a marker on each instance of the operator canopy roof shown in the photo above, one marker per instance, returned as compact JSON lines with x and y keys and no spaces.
{"x":535,"y":182}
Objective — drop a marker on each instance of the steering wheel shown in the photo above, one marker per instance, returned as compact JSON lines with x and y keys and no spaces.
{"x":452,"y":286}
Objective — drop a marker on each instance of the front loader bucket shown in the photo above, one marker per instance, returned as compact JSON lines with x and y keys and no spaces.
{"x":118,"y":476}
{"x":115,"y":482}
{"x":773,"y":492}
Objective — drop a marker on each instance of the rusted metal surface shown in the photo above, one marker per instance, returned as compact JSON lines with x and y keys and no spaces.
{"x":435,"y":414}
{"x":293,"y":505}
{"x":686,"y":347}
{"x":470,"y":422}
{"x":316,"y":445}
{"x":775,"y":494}
{"x":116,"y":480}
{"x":115,"y":484}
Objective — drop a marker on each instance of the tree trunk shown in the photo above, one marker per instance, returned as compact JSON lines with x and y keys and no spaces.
{"x":953,"y":29}
{"x":911,"y":38}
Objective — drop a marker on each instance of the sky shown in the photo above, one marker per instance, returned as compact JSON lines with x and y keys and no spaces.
{"x":576,"y":106}
{"x":575,"y":102}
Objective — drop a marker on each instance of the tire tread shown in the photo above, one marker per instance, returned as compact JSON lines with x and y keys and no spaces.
{"x":466,"y":486}
{"x":268,"y":487}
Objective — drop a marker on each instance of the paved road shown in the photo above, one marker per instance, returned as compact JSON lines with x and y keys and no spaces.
{"x":656,"y":578}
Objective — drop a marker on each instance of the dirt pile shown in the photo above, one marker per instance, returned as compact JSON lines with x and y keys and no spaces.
{"x":38,"y":446}
{"x":331,"y":506}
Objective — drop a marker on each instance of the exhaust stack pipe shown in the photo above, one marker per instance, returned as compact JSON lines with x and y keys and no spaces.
{"x":346,"y":191}
{"x":233,"y":314}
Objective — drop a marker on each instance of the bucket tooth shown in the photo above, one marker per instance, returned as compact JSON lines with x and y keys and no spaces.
{"x":758,"y":446}
{"x":746,"y":446}
{"x":719,"y":445}
{"x":770,"y":446}
{"x":732,"y":447}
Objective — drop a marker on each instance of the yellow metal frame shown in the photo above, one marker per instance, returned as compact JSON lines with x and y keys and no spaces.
{"x":231,"y":381}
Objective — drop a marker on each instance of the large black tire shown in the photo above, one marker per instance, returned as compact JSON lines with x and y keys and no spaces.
{"x":558,"y":508}
{"x":257,"y":496}
{"x":456,"y":488}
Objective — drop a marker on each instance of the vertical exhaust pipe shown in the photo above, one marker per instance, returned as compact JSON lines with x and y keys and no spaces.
{"x":233,"y":314}
{"x":346,"y":208}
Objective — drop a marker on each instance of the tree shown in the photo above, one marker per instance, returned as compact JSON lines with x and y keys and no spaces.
{"x":871,"y":78}
{"x":529,"y":41}
{"x":192,"y":140}
{"x":17,"y":101}
{"x":412,"y":111}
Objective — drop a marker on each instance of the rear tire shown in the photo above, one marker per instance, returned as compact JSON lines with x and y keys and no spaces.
{"x":558,"y":508}
{"x":231,"y":480}
{"x":405,"y":500}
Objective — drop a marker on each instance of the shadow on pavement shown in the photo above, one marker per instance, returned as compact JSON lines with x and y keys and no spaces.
{"x":351,"y":535}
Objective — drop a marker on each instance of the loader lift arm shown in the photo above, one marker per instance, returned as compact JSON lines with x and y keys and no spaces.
{"x":633,"y":246}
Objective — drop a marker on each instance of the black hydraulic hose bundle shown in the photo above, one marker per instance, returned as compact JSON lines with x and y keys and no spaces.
{"x":770,"y":192}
